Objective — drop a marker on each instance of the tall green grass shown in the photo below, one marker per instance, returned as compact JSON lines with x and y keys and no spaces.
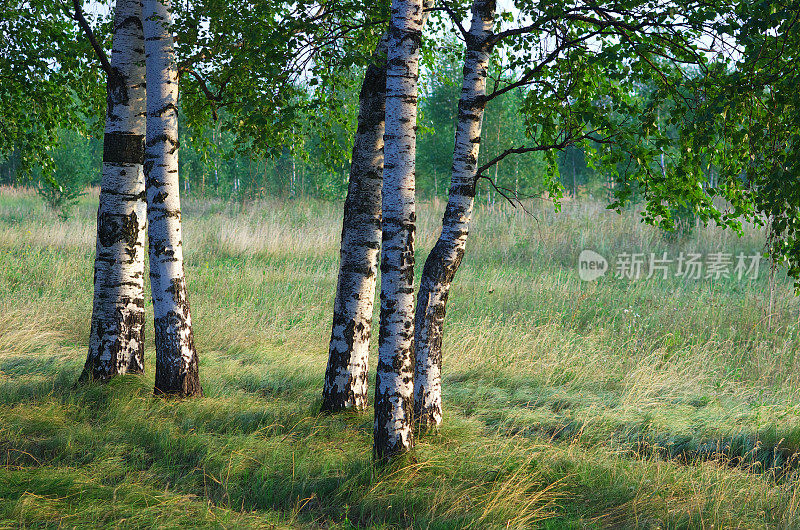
{"x":617,"y":403}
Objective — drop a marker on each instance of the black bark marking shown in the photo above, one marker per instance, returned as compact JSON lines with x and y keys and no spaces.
{"x":116,"y":89}
{"x":155,"y":140}
{"x":169,"y":107}
{"x":148,"y":168}
{"x":159,"y":249}
{"x":113,"y":228}
{"x":131,"y":21}
{"x":123,"y":148}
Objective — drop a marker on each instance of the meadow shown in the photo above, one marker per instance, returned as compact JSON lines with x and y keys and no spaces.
{"x":618,"y":403}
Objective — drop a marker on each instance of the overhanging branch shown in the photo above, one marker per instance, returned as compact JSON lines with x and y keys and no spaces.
{"x":87,"y":29}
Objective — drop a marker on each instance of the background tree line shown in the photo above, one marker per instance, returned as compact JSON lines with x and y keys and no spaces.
{"x":212,"y":164}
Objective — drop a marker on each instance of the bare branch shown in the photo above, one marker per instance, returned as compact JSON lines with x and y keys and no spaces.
{"x":515,"y":200}
{"x":569,"y":139}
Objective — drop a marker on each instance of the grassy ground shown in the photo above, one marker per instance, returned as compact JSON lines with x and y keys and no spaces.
{"x":652,"y":403}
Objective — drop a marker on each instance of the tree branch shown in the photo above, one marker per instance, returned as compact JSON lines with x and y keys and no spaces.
{"x":544,"y":62}
{"x":566,"y":142}
{"x":87,"y":29}
{"x":455,"y":18}
{"x":213,"y":98}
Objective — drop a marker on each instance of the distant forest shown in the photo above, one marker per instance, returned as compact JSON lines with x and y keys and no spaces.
{"x":316,"y":164}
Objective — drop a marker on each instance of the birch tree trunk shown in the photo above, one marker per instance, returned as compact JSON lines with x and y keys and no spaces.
{"x":176,"y":357}
{"x":394,"y":384}
{"x":445,"y":258}
{"x":348,"y":354}
{"x":116,"y":342}
{"x":348,"y":357}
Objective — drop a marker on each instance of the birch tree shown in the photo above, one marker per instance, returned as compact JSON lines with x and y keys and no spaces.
{"x":348,"y":357}
{"x":394,"y":381}
{"x":176,"y":357}
{"x":116,"y":342}
{"x":444,"y":259}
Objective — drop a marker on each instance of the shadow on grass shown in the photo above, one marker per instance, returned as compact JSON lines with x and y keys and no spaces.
{"x":767,"y":452}
{"x":258,"y":446}
{"x":27,"y":365}
{"x":31,"y":378}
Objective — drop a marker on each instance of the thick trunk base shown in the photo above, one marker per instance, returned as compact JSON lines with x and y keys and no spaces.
{"x":348,"y":357}
{"x":348,"y":398}
{"x":176,"y":375}
{"x":124,"y":348}
{"x":391,"y":440}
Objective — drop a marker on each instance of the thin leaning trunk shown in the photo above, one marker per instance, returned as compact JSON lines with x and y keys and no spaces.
{"x":176,"y":357}
{"x":346,"y":373}
{"x":445,"y":258}
{"x":394,"y":380}
{"x":348,"y":357}
{"x":116,"y":340}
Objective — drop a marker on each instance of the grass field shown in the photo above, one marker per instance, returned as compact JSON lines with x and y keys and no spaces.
{"x":660,"y":403}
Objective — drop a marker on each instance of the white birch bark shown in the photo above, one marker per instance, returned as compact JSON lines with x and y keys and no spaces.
{"x":348,"y":354}
{"x":116,"y":343}
{"x":348,"y":357}
{"x":176,"y":357}
{"x":394,"y":381}
{"x":445,"y":258}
